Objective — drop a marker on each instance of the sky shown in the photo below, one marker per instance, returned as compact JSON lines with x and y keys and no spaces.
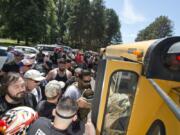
{"x":135,"y":15}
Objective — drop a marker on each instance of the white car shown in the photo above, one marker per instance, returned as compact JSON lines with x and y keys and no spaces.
{"x":67,"y":48}
{"x":27,"y":50}
{"x":3,"y":48}
{"x":47,"y":48}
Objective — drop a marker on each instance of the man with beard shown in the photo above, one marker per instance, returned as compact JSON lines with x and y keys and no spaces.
{"x":60,"y":73}
{"x":15,"y":95}
{"x":75,"y":91}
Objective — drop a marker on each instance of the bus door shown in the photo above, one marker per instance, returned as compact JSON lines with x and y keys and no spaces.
{"x":114,"y":96}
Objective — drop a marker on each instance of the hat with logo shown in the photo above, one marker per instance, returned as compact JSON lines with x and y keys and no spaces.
{"x":27,"y":62}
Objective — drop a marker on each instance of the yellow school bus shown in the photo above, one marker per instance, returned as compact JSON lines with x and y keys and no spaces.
{"x":137,"y":90}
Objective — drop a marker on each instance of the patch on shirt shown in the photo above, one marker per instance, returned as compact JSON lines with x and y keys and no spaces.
{"x":40,"y":132}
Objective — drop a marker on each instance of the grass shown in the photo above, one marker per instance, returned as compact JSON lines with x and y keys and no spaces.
{"x":10,"y":42}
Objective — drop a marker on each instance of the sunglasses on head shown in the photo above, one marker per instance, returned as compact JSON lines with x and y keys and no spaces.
{"x":65,"y":117}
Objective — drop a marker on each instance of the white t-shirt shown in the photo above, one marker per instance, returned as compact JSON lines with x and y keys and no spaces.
{"x":37,"y":93}
{"x":73,"y":92}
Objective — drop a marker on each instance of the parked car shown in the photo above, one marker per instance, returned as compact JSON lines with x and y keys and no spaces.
{"x":3,"y":48}
{"x":67,"y":48}
{"x":47,"y":48}
{"x":27,"y":50}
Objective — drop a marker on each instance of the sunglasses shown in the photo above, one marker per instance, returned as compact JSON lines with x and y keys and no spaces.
{"x":28,"y":65}
{"x":62,"y":62}
{"x":86,"y":81}
{"x":35,"y":81}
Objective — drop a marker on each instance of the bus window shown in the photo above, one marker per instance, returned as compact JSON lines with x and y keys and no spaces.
{"x":172,"y":57}
{"x":119,"y":104}
{"x":162,"y":60}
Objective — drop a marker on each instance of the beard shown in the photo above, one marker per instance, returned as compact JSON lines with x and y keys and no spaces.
{"x":86,"y":86}
{"x":61,"y":69}
{"x":18,"y":97}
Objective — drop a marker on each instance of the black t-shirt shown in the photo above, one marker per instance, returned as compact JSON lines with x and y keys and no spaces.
{"x":43,"y":126}
{"x":61,"y":78}
{"x":5,"y":106}
{"x":45,"y":108}
{"x":11,"y":67}
{"x":29,"y":100}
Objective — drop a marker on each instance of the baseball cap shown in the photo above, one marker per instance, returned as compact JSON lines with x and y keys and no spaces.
{"x":34,"y":75}
{"x":53,"y":88}
{"x":78,"y":70}
{"x":30,"y":56}
{"x":18,"y":53}
{"x":27,"y":62}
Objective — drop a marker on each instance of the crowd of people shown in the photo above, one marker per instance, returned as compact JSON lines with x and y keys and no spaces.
{"x":57,"y":86}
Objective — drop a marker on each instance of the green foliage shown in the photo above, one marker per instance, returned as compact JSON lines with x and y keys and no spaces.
{"x":80,"y":23}
{"x":112,"y":27}
{"x":87,"y":24}
{"x":117,"y":38}
{"x":10,"y":42}
{"x":77,"y":22}
{"x":52,"y":28}
{"x":98,"y":21}
{"x":25,"y":19}
{"x":62,"y":10}
{"x":161,"y":27}
{"x":91,"y":25}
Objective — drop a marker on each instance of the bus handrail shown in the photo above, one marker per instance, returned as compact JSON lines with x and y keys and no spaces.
{"x":170,"y":103}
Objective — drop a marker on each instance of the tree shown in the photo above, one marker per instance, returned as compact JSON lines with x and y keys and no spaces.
{"x":76,"y":25}
{"x":83,"y":23}
{"x":25,"y":19}
{"x":161,"y":27}
{"x":97,"y":23}
{"x":112,"y":27}
{"x":52,"y":27}
{"x":88,"y":24}
{"x":63,"y":8}
{"x":2,"y":32}
{"x":117,"y":38}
